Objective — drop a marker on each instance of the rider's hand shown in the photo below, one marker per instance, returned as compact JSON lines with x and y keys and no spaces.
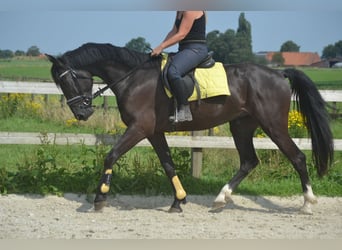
{"x":157,"y":51}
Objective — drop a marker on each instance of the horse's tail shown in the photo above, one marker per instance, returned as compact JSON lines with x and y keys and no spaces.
{"x":312,"y":106}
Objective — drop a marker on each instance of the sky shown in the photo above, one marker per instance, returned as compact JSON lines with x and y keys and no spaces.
{"x":58,"y":26}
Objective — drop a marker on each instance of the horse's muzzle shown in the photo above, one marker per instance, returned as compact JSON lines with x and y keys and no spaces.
{"x":81,"y":107}
{"x":82,"y":114}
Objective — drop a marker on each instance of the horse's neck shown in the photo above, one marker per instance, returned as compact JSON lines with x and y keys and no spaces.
{"x":113,"y":76}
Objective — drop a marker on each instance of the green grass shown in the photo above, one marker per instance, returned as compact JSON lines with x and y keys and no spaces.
{"x":325,"y":78}
{"x":336,"y":128}
{"x":76,"y":168}
{"x":30,"y":124}
{"x":23,"y":69}
{"x":31,"y":68}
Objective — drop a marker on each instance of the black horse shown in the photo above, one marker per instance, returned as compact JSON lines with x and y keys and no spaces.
{"x":260,"y":97}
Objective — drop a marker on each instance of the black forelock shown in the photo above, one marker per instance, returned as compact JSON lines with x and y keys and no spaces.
{"x":91,"y":53}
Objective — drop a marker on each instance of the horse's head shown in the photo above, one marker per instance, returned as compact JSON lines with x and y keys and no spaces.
{"x":76,"y":86}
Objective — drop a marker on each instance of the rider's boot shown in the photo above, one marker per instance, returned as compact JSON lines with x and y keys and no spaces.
{"x":180,"y":91}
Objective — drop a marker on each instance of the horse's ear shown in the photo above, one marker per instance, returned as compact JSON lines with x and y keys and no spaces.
{"x":54,"y":60}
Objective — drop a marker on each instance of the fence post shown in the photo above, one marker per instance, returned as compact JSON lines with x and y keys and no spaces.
{"x":62,"y":101}
{"x":46,"y":98}
{"x":335,"y":110}
{"x":196,"y":157}
{"x":105,"y":103}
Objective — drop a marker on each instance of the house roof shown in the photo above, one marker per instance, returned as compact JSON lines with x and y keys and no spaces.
{"x":296,"y":58}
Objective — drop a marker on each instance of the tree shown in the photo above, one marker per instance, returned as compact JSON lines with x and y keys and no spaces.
{"x":33,"y":51}
{"x":139,"y":44}
{"x":19,"y":53}
{"x":278,"y":59}
{"x":231,"y":46}
{"x":289,"y":46}
{"x":242,"y":44}
{"x":330,"y":51}
{"x":221,"y":44}
{"x":215,"y":44}
{"x":260,"y":60}
{"x":6,"y":53}
{"x":338,"y":46}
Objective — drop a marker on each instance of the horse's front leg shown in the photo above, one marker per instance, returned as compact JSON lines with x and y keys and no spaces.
{"x":159,"y":144}
{"x":127,"y":141}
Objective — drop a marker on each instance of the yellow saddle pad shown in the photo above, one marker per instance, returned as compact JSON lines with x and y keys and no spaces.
{"x":212,"y":81}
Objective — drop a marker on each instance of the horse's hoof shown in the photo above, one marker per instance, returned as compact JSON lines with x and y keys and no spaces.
{"x":175,"y":210}
{"x":306,"y":209}
{"x":217,"y":206}
{"x":98,"y":206}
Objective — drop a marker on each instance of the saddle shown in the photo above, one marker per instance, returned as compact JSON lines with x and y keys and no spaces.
{"x":189,"y":78}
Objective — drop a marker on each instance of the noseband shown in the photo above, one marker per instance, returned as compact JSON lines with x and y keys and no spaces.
{"x":82,"y":101}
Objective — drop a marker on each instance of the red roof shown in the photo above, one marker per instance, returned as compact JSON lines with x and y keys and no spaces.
{"x":296,"y":58}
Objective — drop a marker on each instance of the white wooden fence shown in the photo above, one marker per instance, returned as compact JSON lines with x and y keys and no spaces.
{"x":195,"y":142}
{"x":173,"y":141}
{"x":39,"y":88}
{"x":50,"y":88}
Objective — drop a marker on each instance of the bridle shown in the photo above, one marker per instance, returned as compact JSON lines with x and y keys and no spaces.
{"x":85,"y":101}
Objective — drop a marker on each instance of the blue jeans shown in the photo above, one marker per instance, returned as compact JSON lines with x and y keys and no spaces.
{"x":187,"y":58}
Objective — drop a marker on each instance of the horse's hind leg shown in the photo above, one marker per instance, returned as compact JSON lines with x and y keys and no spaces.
{"x":282,"y":139}
{"x":242,"y":131}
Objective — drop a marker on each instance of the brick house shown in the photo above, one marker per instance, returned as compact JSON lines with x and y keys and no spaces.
{"x":296,"y":58}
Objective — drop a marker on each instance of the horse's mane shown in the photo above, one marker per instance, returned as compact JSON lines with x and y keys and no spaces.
{"x":91,"y":53}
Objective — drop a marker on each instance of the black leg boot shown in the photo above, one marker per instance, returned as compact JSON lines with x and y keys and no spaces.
{"x":181,"y":93}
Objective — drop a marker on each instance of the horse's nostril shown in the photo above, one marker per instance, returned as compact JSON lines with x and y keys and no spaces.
{"x":80,"y":117}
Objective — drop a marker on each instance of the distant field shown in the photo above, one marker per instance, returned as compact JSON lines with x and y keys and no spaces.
{"x":38,"y":69}
{"x":25,"y":69}
{"x":325,"y":78}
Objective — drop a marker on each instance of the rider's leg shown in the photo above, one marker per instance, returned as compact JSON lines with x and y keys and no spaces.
{"x":188,"y":57}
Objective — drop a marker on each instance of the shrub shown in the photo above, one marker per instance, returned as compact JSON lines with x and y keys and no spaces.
{"x":275,"y":158}
{"x":22,"y":104}
{"x":9,"y":104}
{"x":296,"y":126}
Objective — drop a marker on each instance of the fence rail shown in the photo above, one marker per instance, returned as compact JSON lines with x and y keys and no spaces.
{"x":173,"y":141}
{"x":39,"y":88}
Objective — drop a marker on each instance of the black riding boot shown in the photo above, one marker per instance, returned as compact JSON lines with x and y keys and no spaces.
{"x":182,"y":94}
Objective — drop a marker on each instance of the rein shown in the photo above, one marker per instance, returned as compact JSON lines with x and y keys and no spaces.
{"x":129,"y":73}
{"x":100,"y":91}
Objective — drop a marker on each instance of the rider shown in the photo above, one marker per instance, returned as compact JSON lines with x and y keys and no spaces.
{"x":189,"y":32}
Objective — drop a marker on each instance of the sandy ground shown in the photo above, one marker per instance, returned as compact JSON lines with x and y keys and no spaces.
{"x":138,"y":217}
